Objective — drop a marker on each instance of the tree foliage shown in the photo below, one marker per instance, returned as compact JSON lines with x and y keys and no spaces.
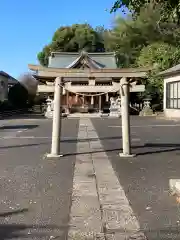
{"x":73,"y":39}
{"x":170,"y":9}
{"x":159,"y":56}
{"x":44,"y":55}
{"x":130,"y":35}
{"x":145,"y":40}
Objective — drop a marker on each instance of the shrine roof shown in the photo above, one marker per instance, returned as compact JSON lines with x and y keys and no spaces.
{"x":70,"y":60}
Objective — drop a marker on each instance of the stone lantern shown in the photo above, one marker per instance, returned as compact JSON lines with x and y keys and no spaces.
{"x":147,"y":110}
{"x":49,"y":110}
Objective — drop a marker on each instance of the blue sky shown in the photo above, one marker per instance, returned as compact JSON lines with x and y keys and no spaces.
{"x":26,"y":26}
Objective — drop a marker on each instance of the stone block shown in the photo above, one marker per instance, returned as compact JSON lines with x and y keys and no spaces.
{"x":119,"y":219}
{"x":146,"y":112}
{"x":174,"y":185}
{"x":77,"y":235}
{"x":125,"y":236}
{"x":86,"y":214}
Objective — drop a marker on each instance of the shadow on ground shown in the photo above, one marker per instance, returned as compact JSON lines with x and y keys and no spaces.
{"x":26,"y":126}
{"x":19,"y":231}
{"x":23,"y":231}
{"x":23,"y":145}
{"x":22,"y":116}
{"x":89,"y":139}
{"x":152,"y":148}
{"x":62,"y":141}
{"x":145,"y":149}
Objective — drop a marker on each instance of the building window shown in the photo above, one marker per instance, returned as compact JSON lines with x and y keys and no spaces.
{"x":173,"y":95}
{"x":2,"y":84}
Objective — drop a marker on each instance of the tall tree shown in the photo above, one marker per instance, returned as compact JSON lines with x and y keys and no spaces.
{"x":73,"y":39}
{"x":130,"y":35}
{"x":105,"y":36}
{"x":169,"y":8}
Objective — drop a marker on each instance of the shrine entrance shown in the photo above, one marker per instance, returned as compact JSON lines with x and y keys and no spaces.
{"x":86,"y":98}
{"x":127,"y":79}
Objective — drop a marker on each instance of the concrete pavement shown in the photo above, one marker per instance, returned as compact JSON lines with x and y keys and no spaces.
{"x":90,"y":193}
{"x":145,"y":178}
{"x":35,"y":196}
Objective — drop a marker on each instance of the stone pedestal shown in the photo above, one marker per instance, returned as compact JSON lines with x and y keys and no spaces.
{"x":114,"y":113}
{"x":115,"y":108}
{"x":67,"y":112}
{"x":146,"y":111}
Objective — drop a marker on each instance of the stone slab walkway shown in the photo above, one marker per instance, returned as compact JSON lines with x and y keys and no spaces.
{"x":99,"y":205}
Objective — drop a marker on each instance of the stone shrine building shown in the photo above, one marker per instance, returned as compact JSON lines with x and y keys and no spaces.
{"x":83,"y":93}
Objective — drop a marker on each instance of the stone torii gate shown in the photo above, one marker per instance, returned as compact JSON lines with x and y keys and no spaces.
{"x":126,"y":77}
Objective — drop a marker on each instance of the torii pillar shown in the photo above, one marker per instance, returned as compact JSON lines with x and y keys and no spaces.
{"x":126,"y":143}
{"x":57,"y":115}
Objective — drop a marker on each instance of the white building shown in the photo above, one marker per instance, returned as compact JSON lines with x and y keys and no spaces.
{"x":172,"y":92}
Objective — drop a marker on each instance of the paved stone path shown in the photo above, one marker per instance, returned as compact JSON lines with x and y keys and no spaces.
{"x":85,"y":218}
{"x":99,"y":206}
